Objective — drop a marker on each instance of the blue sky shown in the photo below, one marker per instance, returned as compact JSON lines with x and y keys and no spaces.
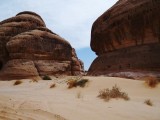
{"x":71,"y":19}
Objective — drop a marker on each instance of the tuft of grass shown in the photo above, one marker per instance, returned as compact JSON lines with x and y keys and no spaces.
{"x":46,"y":77}
{"x":115,"y":92}
{"x":148,"y":102}
{"x":79,"y":95}
{"x":74,"y":83}
{"x":151,"y":81}
{"x":17,"y":82}
{"x":53,"y":85}
{"x":34,"y":80}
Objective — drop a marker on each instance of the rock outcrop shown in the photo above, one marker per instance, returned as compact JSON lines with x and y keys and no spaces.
{"x":127,"y":38}
{"x":29,"y":49}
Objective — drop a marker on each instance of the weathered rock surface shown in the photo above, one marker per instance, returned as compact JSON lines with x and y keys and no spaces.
{"x":127,"y":38}
{"x":29,"y":49}
{"x":19,"y":68}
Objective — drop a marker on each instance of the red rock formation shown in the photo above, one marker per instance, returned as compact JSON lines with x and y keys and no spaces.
{"x":29,"y":49}
{"x":127,"y":38}
{"x":23,"y":22}
{"x":77,"y":65}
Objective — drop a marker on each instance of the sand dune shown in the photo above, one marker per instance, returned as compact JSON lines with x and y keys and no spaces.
{"x":36,"y":101}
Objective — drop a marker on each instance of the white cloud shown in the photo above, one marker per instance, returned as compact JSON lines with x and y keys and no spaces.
{"x":71,"y":19}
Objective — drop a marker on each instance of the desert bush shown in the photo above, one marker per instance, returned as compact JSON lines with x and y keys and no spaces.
{"x":34,"y":80}
{"x":53,"y":85}
{"x":82,"y":82}
{"x":17,"y":82}
{"x":77,"y":82}
{"x":115,"y":92}
{"x":72,"y":83}
{"x":151,"y":81}
{"x":46,"y":77}
{"x":148,"y":102}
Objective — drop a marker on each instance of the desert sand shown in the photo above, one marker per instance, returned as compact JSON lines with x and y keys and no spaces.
{"x":37,"y":101}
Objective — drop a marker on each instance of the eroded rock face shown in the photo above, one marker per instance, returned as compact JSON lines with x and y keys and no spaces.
{"x":29,"y":49}
{"x":127,"y":38}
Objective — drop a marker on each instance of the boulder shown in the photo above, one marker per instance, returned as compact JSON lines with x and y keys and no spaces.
{"x":29,"y":49}
{"x":127,"y":38}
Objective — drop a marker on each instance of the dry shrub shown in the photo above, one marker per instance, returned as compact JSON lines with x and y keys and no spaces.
{"x":148,"y":102}
{"x":34,"y":80}
{"x":74,"y":83}
{"x":151,"y":81}
{"x":53,"y":85}
{"x":82,"y":82}
{"x":115,"y":92}
{"x":17,"y":82}
{"x":79,"y":95}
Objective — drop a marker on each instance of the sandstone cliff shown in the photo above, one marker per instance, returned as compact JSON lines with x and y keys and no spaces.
{"x":29,"y":49}
{"x":127,"y":38}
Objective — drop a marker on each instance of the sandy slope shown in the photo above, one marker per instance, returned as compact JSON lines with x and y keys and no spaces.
{"x":36,"y":101}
